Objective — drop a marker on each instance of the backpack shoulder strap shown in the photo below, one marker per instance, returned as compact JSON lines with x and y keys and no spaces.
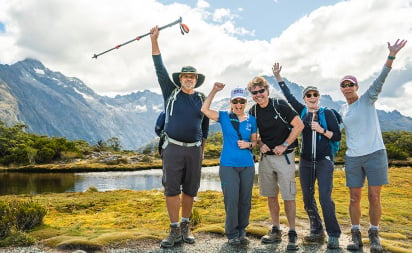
{"x":277,"y":112}
{"x":235,"y":123}
{"x":171,"y":100}
{"x":322,"y":118}
{"x":303,"y":113}
{"x":201,"y":96}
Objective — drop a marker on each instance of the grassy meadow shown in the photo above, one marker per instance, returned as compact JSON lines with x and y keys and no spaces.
{"x":100,"y":219}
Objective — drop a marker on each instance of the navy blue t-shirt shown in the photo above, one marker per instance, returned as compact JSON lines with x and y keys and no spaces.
{"x":185,"y":121}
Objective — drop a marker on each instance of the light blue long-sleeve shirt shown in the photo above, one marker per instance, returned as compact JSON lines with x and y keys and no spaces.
{"x":361,"y":123}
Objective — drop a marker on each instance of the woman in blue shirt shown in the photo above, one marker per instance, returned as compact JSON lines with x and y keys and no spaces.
{"x":237,"y":168}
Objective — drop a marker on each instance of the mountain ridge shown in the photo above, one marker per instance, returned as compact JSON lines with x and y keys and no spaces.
{"x":49,"y":103}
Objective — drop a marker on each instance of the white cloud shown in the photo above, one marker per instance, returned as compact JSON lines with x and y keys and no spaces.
{"x":348,"y":37}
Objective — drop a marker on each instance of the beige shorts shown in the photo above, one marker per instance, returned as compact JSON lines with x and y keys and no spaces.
{"x":275,"y":173}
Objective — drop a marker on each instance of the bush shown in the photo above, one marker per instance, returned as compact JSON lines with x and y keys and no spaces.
{"x":17,"y":239}
{"x":27,"y":215}
{"x":5,"y":222}
{"x":19,"y":216}
{"x":396,"y":153}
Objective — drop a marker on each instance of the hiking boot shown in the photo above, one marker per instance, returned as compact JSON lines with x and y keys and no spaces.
{"x":356,"y":240}
{"x":333,"y":242}
{"x":274,"y":235}
{"x":315,"y":237}
{"x":186,"y":235}
{"x":234,"y":241}
{"x":293,"y":240}
{"x":175,"y":236}
{"x":243,"y":238}
{"x":374,"y":241}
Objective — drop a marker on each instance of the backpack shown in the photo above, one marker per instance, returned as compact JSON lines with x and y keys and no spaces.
{"x":161,"y":119}
{"x":334,"y":145}
{"x":276,"y":108}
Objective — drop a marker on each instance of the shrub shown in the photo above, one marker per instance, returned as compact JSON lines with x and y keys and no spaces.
{"x":20,"y":215}
{"x":396,"y":153}
{"x":5,"y":223}
{"x":17,"y":239}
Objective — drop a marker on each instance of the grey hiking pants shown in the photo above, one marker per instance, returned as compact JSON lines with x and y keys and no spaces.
{"x":237,"y":183}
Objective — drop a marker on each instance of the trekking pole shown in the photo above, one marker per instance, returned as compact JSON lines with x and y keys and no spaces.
{"x":183,"y":29}
{"x":313,"y":171}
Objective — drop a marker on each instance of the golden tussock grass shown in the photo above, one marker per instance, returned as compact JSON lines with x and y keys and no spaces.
{"x":98,"y":219}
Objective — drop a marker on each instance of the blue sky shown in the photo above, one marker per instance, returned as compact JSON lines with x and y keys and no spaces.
{"x":317,"y":42}
{"x":264,"y":19}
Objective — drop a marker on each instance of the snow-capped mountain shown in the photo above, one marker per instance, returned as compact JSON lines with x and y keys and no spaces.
{"x":51,"y":104}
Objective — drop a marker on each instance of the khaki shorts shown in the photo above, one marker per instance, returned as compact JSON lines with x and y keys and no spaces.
{"x":276,"y":174}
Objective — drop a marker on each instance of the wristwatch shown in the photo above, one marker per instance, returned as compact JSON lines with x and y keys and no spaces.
{"x":285,"y":144}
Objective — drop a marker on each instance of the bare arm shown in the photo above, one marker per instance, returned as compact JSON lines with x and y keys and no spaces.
{"x":212,"y":114}
{"x":298,"y":126}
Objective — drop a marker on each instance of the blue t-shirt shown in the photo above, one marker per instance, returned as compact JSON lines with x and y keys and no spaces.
{"x":187,"y":123}
{"x":232,"y":155}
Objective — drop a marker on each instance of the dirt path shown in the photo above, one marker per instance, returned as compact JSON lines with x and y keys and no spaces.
{"x":212,"y":243}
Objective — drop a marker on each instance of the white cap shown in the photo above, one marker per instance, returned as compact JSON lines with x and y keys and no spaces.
{"x":238,"y":93}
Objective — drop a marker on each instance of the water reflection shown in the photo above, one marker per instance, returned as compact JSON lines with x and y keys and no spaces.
{"x":34,"y":183}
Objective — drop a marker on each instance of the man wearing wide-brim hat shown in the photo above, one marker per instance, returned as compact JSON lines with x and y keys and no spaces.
{"x":185,"y":132}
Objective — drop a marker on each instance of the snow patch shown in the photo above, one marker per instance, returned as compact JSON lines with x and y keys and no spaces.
{"x":141,"y":108}
{"x":39,"y":71}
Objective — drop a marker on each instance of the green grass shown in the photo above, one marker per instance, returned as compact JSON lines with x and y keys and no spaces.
{"x":92,"y":220}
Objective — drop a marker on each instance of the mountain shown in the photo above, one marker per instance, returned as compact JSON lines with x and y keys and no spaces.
{"x":51,"y":104}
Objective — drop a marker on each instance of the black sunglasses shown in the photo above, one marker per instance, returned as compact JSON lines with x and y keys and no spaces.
{"x":238,"y":101}
{"x":310,"y":95}
{"x":344,"y":85}
{"x":258,"y":91}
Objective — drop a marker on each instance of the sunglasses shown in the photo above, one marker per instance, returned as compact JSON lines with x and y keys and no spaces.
{"x":310,"y":95}
{"x":258,"y":91}
{"x":344,"y":85}
{"x":238,"y":101}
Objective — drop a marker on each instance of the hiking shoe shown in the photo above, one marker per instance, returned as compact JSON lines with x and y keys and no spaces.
{"x":175,"y":236}
{"x":274,"y":235}
{"x":243,"y":238}
{"x":186,"y":235}
{"x":374,"y":241}
{"x":293,"y":240}
{"x":234,"y":241}
{"x":333,"y":242}
{"x":315,"y":237}
{"x":356,"y":240}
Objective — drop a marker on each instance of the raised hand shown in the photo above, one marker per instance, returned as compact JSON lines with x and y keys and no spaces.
{"x":394,"y":49}
{"x":276,"y":68}
{"x":218,"y":86}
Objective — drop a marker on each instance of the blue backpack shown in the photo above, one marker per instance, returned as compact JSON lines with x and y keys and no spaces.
{"x":334,"y":145}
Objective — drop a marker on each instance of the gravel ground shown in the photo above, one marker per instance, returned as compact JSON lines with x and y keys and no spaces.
{"x":209,"y":243}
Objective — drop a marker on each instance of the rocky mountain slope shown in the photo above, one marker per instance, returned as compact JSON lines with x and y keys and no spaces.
{"x":49,"y":103}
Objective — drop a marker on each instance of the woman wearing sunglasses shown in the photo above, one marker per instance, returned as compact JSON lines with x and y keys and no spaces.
{"x":316,"y":161}
{"x":366,"y":155}
{"x":237,"y":168}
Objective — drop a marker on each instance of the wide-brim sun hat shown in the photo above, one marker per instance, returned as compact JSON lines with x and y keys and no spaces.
{"x":188,"y":70}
